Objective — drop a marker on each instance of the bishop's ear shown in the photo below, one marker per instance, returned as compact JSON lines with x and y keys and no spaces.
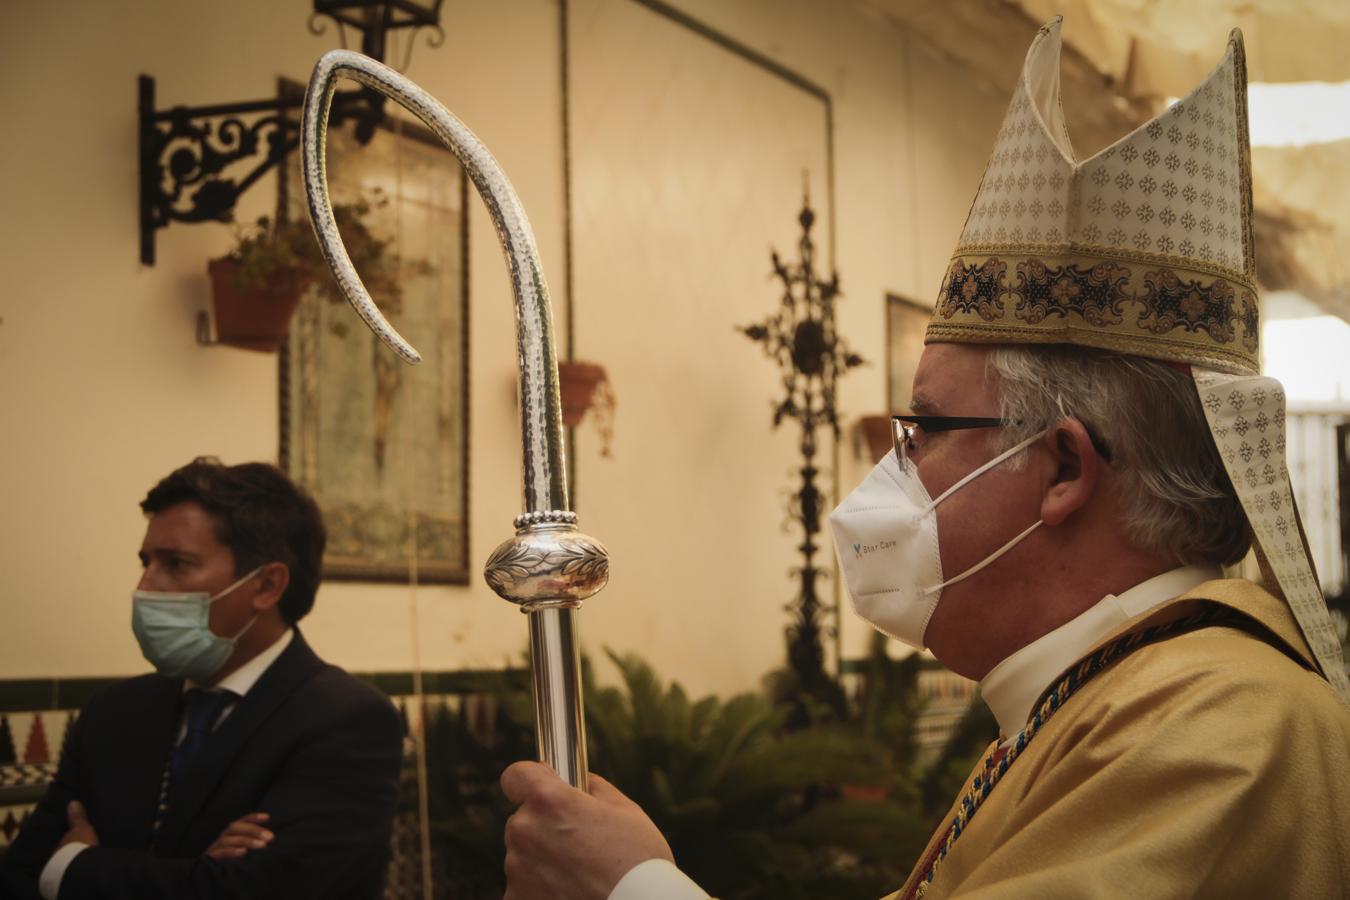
{"x":1078,"y":468}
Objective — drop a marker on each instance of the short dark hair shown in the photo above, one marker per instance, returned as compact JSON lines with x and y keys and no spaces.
{"x":261,"y":515}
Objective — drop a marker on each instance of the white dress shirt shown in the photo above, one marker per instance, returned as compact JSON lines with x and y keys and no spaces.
{"x":1010,"y":689}
{"x":240,"y":681}
{"x":656,"y":879}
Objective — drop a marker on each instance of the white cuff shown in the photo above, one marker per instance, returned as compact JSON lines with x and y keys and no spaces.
{"x":656,"y":879}
{"x":49,"y":882}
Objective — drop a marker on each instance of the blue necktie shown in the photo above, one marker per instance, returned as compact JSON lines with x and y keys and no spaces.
{"x":201,"y":710}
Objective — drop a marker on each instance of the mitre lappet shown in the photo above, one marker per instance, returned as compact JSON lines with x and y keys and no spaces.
{"x":1144,"y":248}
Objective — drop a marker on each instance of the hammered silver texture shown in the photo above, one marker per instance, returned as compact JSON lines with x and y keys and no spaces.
{"x":545,"y":481}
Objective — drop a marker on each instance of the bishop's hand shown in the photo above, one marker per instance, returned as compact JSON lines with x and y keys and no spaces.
{"x":564,"y":844}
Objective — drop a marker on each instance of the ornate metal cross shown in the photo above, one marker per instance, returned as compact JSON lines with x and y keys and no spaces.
{"x":802,"y":339}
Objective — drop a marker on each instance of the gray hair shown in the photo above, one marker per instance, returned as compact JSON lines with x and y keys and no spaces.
{"x":1175,"y":494}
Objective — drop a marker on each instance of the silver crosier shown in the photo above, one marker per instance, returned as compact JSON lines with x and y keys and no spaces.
{"x":549,"y":567}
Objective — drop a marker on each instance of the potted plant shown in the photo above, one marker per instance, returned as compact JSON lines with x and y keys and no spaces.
{"x":585,"y":386}
{"x":876,"y":431}
{"x":256,"y":287}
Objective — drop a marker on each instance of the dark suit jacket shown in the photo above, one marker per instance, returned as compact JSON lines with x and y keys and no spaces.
{"x":312,"y":746}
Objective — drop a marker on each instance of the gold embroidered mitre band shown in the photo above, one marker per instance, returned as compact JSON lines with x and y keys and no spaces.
{"x":1145,"y":248}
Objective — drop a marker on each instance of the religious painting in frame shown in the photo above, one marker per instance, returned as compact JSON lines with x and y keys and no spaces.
{"x":383,"y":446}
{"x":906,"y":322}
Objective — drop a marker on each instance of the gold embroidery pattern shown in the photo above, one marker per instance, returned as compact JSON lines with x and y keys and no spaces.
{"x":1097,"y":295}
{"x":1102,"y":251}
{"x":1171,"y":303}
{"x":1150,"y":310}
{"x":974,"y":289}
{"x":1251,"y":322}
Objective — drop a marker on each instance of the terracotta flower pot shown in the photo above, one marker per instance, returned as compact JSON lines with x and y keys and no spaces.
{"x":254,"y":319}
{"x":577,"y":382}
{"x":877,"y":431}
{"x":872,"y":793}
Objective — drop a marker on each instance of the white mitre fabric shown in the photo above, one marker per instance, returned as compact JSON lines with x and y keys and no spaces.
{"x":1172,"y":187}
{"x":1246,"y":415}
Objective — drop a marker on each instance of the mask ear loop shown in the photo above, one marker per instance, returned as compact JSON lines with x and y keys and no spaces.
{"x":965,"y":481}
{"x":251,"y":621}
{"x":987,"y":560}
{"x":237,"y":583}
{"x":1013,"y":451}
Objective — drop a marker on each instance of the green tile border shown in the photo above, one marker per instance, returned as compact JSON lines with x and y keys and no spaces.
{"x":464,"y":681}
{"x":31,"y":694}
{"x":27,"y":695}
{"x":42,"y":694}
{"x":34,"y":694}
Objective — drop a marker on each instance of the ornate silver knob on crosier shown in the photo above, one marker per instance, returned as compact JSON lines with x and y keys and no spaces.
{"x":547,"y":564}
{"x":548,"y":568}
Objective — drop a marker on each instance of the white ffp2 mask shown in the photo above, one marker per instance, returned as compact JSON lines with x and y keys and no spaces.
{"x":886,"y":536}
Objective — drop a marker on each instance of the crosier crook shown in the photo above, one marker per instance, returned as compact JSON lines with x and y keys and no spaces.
{"x":549,"y":567}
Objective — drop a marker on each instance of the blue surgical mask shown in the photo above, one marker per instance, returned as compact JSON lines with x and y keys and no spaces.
{"x":175,"y":634}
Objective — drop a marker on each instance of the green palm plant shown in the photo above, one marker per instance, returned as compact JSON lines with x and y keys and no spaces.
{"x":466,"y":809}
{"x":751,"y":811}
{"x":838,"y":810}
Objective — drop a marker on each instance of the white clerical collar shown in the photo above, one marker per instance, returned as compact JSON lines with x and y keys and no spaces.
{"x":1013,"y":686}
{"x":242,"y":679}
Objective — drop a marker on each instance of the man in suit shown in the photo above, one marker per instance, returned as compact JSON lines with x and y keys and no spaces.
{"x":246,"y":766}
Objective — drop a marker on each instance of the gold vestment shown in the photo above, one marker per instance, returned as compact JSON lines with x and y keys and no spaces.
{"x":1212,"y":764}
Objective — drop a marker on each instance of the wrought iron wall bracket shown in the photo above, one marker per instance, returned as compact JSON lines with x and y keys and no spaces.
{"x":195,"y":162}
{"x":185,"y":151}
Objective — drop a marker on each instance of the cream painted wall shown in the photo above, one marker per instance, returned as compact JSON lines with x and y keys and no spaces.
{"x":105,"y":389}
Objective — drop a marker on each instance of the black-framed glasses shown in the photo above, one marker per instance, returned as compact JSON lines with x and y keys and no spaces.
{"x":905,"y":428}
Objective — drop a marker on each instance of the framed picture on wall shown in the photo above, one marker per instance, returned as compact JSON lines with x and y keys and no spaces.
{"x":906,"y":321}
{"x":382,"y":445}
